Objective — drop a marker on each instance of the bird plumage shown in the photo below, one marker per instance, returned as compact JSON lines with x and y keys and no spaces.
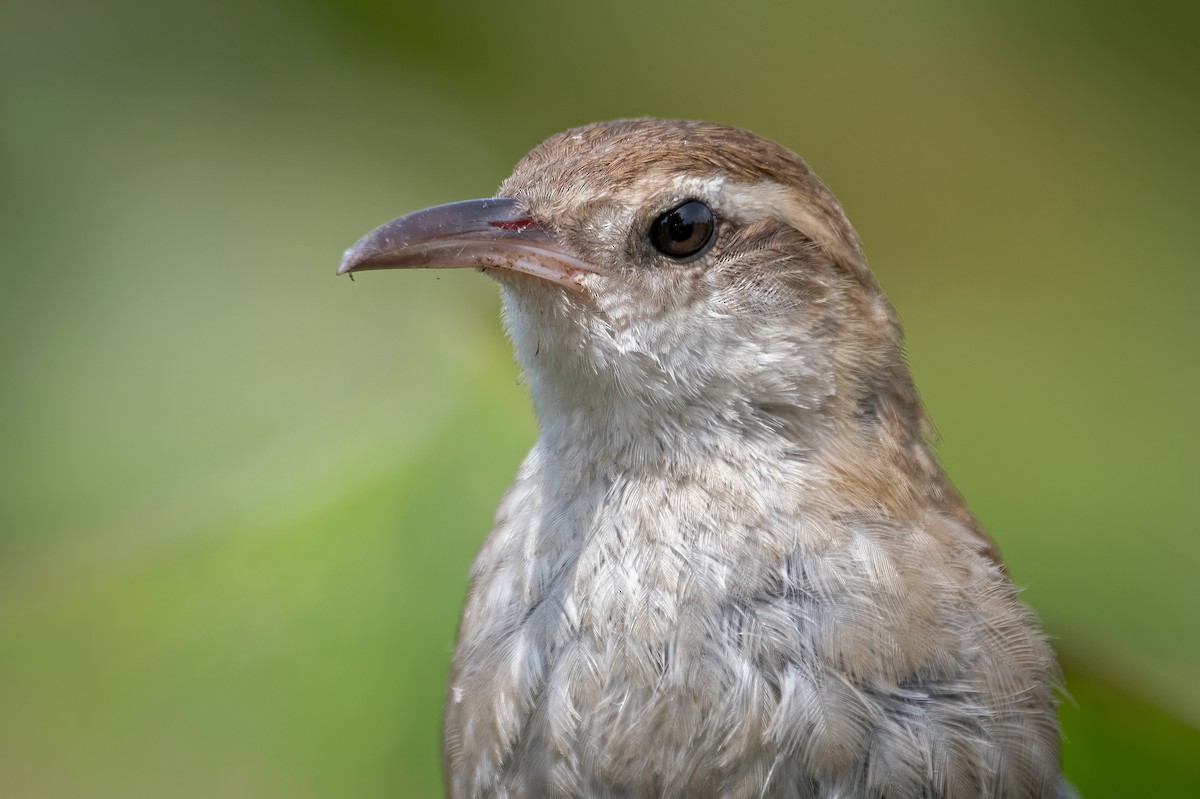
{"x":730,"y":566}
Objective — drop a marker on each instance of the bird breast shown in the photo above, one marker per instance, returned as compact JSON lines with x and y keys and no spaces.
{"x":716,"y":630}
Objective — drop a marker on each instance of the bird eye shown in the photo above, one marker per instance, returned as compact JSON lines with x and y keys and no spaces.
{"x":684,"y":231}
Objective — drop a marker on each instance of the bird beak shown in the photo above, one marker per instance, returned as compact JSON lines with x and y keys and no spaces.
{"x":495,"y":233}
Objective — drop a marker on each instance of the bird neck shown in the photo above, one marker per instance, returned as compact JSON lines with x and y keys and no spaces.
{"x":629,"y":434}
{"x":636,"y":400}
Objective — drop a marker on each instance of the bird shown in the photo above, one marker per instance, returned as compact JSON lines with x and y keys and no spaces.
{"x":731,"y":564}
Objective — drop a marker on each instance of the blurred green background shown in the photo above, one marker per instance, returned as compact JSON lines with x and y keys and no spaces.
{"x":239,"y":496}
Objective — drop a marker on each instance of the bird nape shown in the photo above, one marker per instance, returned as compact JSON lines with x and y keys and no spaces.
{"x":730,"y":566}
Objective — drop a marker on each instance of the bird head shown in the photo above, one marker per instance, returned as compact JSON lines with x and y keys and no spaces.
{"x":666,"y":273}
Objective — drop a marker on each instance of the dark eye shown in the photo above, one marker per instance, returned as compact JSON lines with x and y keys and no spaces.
{"x":683,"y":231}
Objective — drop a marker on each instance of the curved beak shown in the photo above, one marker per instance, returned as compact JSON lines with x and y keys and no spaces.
{"x":486,"y":234}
